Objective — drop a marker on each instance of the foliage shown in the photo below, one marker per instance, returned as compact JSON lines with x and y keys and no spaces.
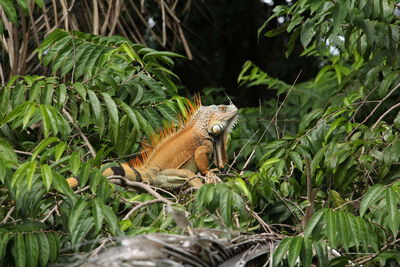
{"x":333,"y":147}
{"x":109,"y":92}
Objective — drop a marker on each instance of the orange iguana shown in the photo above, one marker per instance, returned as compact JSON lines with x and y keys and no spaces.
{"x":175,"y":156}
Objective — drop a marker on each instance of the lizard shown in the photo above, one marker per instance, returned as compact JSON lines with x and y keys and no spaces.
{"x":176,"y":155}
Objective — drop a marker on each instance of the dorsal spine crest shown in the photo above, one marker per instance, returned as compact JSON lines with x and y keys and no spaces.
{"x":168,"y":130}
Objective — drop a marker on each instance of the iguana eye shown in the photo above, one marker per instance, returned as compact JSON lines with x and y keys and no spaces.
{"x":216,"y":129}
{"x":222,"y":108}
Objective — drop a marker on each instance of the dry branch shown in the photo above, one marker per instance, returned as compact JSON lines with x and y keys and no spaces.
{"x":116,"y":179}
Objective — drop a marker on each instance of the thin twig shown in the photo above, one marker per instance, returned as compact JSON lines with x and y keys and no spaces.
{"x":265,"y":225}
{"x":164,"y":31}
{"x":124,"y":181}
{"x":49,"y":213}
{"x":241,"y":150}
{"x":383,"y":115}
{"x":95,"y":17}
{"x":371,"y":257}
{"x":8,"y":215}
{"x":103,"y":242}
{"x":269,"y":124}
{"x":87,"y":143}
{"x":141,"y":205}
{"x":372,"y":112}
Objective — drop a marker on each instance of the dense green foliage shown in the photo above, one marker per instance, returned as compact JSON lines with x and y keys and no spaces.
{"x":319,"y":165}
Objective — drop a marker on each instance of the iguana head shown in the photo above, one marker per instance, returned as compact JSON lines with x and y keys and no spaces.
{"x":217,"y":122}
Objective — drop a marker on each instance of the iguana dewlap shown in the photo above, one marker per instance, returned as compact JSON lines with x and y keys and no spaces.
{"x":175,"y":158}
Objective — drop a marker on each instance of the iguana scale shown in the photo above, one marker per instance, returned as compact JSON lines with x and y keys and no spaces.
{"x":175,"y":156}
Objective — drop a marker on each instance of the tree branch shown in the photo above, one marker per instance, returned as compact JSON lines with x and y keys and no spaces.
{"x":116,"y":179}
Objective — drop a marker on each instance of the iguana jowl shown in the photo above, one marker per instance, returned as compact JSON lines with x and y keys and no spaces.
{"x":176,"y":158}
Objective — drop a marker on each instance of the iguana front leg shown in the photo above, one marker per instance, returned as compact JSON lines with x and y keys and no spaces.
{"x":201,"y":156}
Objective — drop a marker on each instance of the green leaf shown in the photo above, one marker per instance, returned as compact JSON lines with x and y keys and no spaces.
{"x":28,"y":114}
{"x":296,"y":159}
{"x":20,"y":173}
{"x":161,"y":54}
{"x":9,"y":10}
{"x":131,"y":52}
{"x":23,"y":4}
{"x":307,"y":32}
{"x":387,"y":82}
{"x":32,"y":249}
{"x":19,"y":250}
{"x":60,"y":148}
{"x":225,"y":206}
{"x":281,"y":250}
{"x":40,"y":3}
{"x":339,"y":14}
{"x":331,"y":227}
{"x":270,"y":162}
{"x":74,"y":163}
{"x":44,"y":249}
{"x":4,"y":238}
{"x":76,"y":214}
{"x":47,"y":176}
{"x":274,"y":32}
{"x":321,"y":251}
{"x":317,"y":159}
{"x":306,"y":254}
{"x":42,"y":145}
{"x":15,"y":113}
{"x":84,"y":174}
{"x":7,"y":152}
{"x":81,"y":66}
{"x":61,"y":95}
{"x":111,"y":106}
{"x":131,"y":115}
{"x":30,"y":172}
{"x":392,"y":202}
{"x":98,"y":213}
{"x":294,"y":22}
{"x":373,"y":194}
{"x":84,"y":227}
{"x":95,"y":103}
{"x":294,"y":250}
{"x":243,"y":187}
{"x":46,"y":120}
{"x":111,"y":219}
{"x":145,"y":125}
{"x":345,"y":235}
{"x":80,"y":89}
{"x":309,"y":118}
{"x":355,"y":230}
{"x":315,"y":219}
{"x":54,"y":244}
{"x":48,"y":94}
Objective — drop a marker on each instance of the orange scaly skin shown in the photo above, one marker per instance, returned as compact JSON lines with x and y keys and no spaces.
{"x":175,"y":158}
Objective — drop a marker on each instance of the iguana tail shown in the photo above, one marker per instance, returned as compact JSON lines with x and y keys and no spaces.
{"x":123,"y":169}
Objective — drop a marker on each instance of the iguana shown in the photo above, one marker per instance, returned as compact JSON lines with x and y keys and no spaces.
{"x":175,"y":156}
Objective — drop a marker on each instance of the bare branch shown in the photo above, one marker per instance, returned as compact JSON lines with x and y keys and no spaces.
{"x":141,"y":205}
{"x":95,"y":17}
{"x":116,"y":179}
{"x":87,"y":143}
{"x":383,"y":115}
